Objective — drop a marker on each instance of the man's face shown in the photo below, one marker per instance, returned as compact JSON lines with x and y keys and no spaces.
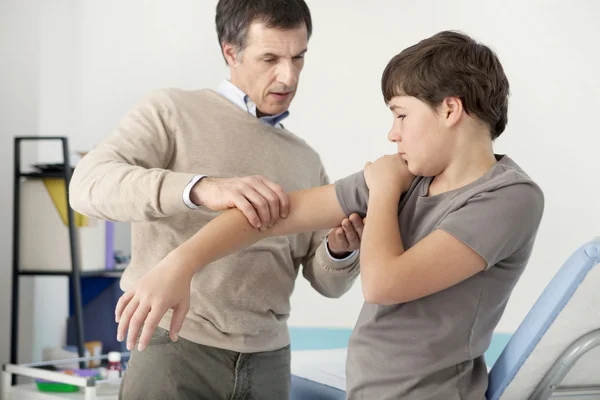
{"x":268,"y":68}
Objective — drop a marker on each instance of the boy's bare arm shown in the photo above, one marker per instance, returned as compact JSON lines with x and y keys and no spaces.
{"x":167,"y":285}
{"x":310,"y":210}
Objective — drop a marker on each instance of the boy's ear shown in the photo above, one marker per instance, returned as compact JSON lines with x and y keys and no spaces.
{"x":452,"y":110}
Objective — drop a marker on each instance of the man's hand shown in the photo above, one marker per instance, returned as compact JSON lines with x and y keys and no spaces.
{"x":388,"y":174}
{"x":261,"y":200}
{"x":346,"y":238}
{"x":164,"y":287}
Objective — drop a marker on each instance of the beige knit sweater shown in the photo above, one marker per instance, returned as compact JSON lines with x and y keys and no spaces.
{"x":138,"y":174}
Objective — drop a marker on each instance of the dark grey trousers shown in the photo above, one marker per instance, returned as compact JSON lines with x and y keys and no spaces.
{"x":184,"y":370}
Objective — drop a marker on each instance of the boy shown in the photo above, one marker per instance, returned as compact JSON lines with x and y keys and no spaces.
{"x":450,"y":228}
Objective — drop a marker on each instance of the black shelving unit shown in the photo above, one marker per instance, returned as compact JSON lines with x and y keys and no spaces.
{"x":74,"y":274}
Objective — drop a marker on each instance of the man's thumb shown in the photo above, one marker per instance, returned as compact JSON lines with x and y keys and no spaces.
{"x":179,"y":314}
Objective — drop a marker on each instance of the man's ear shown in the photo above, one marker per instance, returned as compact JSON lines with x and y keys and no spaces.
{"x":231,"y":54}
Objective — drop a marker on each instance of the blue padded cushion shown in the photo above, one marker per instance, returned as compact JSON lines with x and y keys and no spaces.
{"x":541,"y":316}
{"x":303,"y":389}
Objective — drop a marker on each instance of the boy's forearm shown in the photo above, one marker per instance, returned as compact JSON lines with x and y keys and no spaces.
{"x":310,"y":210}
{"x":381,"y":240}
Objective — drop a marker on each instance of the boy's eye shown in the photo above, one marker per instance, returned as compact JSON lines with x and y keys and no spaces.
{"x":401,"y":116}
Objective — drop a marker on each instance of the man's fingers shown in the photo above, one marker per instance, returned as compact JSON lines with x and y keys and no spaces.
{"x":272,"y":199}
{"x":138,"y":319}
{"x":246,"y":208}
{"x":341,"y":239}
{"x":150,"y":325}
{"x":121,"y":304}
{"x":260,"y":204}
{"x":358,"y":224}
{"x":284,"y":201}
{"x":125,"y":318}
{"x":351,"y":235}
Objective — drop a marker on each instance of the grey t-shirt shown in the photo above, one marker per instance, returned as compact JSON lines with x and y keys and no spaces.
{"x":432,"y":348}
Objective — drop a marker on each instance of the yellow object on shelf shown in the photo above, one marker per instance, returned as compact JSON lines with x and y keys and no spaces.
{"x":56,"y":190}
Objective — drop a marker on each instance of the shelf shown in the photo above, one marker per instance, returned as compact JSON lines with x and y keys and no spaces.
{"x":42,"y":171}
{"x":117,"y":273}
{"x":102,"y":273}
{"x":42,"y":175}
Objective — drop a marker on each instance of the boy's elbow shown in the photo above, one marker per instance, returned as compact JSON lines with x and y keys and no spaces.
{"x":378,"y":297}
{"x":373,"y":295}
{"x":380,"y":291}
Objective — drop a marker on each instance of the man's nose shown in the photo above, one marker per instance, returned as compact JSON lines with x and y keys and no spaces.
{"x":288,"y":74}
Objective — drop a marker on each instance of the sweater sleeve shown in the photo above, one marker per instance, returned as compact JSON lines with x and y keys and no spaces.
{"x":126,"y":177}
{"x":331,"y":278}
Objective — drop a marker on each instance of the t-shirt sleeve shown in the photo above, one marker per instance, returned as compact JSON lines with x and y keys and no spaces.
{"x":499,"y":223}
{"x":353,"y":194}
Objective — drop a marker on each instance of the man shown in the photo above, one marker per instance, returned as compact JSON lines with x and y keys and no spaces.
{"x":175,"y":160}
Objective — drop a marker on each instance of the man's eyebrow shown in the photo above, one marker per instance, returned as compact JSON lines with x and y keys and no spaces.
{"x":273,"y":55}
{"x":303,"y":52}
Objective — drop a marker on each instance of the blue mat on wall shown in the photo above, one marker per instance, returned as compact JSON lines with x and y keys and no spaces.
{"x":306,"y":338}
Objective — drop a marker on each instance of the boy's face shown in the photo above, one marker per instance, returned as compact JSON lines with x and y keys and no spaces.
{"x":268,"y":68}
{"x":421,"y":135}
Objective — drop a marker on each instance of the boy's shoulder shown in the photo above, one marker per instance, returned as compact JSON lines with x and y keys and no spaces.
{"x":510,"y":178}
{"x":507,"y":169}
{"x":505,"y":177}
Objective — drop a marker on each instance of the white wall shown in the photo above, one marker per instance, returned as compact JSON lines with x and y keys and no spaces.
{"x":40,"y":62}
{"x":546,"y":49}
{"x":19,"y":70}
{"x":82,"y":87}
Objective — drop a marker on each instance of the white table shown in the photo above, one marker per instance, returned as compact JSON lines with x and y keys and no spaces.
{"x":31,"y":392}
{"x":90,"y":389}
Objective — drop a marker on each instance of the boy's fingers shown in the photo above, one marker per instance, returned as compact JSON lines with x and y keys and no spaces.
{"x":135,"y":325}
{"x":148,"y":329}
{"x":126,"y":318}
{"x":121,"y":304}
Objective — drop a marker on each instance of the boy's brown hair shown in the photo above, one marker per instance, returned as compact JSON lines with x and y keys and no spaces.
{"x":451,"y":64}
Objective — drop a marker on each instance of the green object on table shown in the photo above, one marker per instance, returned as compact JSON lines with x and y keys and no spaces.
{"x":56,"y":387}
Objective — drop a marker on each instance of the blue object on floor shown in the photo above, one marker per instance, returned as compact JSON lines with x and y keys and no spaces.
{"x":303,"y":389}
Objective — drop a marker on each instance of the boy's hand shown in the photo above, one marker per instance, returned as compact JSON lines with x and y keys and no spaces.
{"x":164,"y":287}
{"x":346,"y":238}
{"x":388,"y":174}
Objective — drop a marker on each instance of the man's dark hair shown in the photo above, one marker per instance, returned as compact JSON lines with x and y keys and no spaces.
{"x":451,"y":64}
{"x":235,"y":16}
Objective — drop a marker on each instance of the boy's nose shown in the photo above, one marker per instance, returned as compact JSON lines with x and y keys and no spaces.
{"x":394,"y":136}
